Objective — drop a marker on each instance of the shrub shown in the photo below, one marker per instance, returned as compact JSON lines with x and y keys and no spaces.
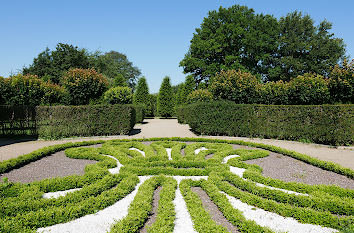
{"x":84,"y":85}
{"x":30,"y":90}
{"x":237,"y":86}
{"x":341,"y":83}
{"x":200,"y":95}
{"x":273,"y":93}
{"x":91,"y":120}
{"x":119,"y":95}
{"x":141,"y":95}
{"x":308,"y":89}
{"x":151,"y":110}
{"x":327,"y":124}
{"x":165,"y":99}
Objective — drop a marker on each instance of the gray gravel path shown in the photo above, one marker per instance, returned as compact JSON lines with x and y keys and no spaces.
{"x":55,"y":165}
{"x":153,"y":214}
{"x":289,"y":169}
{"x":213,"y":210}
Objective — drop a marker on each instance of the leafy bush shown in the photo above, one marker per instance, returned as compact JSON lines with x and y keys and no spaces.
{"x":341,"y":83}
{"x":165,"y":99}
{"x":308,"y":89}
{"x":273,"y":93}
{"x":327,"y":124}
{"x":200,"y":95}
{"x":237,"y":86}
{"x":151,"y":110}
{"x":84,"y":85}
{"x":119,"y":95}
{"x":91,"y":120}
{"x":141,"y":95}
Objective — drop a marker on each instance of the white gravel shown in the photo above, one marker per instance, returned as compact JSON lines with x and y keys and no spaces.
{"x":196,"y":151}
{"x":239,"y":171}
{"x":114,"y":170}
{"x":59,"y":193}
{"x":169,"y":152}
{"x":99,"y":222}
{"x":229,"y":157}
{"x":140,"y":151}
{"x":274,"y":221}
{"x":183,"y":222}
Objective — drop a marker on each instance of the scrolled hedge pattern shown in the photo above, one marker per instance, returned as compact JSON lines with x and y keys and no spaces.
{"x":24,"y":209}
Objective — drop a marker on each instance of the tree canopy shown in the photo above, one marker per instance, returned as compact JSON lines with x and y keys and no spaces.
{"x":165,"y":99}
{"x":113,"y":64}
{"x":51,"y":65}
{"x":238,"y":38}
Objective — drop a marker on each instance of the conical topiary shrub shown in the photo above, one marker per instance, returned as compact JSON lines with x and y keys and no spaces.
{"x":165,"y":98}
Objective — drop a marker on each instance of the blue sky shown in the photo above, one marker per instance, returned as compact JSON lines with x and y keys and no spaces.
{"x":154,"y":35}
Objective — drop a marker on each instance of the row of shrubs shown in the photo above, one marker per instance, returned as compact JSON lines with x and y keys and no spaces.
{"x":52,"y":122}
{"x":326,"y":124}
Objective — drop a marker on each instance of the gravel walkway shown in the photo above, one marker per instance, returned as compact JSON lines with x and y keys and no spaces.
{"x":289,"y":169}
{"x":55,"y":165}
{"x":213,"y":210}
{"x":155,"y":206}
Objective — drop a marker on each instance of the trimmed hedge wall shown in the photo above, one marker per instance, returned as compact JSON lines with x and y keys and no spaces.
{"x":52,"y":122}
{"x":326,"y":124}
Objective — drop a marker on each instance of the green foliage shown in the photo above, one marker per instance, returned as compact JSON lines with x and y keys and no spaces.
{"x":237,"y":86}
{"x":200,"y":95}
{"x":326,"y":124}
{"x":84,"y":85}
{"x":119,"y":81}
{"x":141,"y":95}
{"x":273,"y":93}
{"x":341,"y":83}
{"x":119,"y":95}
{"x":308,"y":89}
{"x":114,"y":64}
{"x":52,"y":64}
{"x":238,"y":38}
{"x":91,"y":120}
{"x":30,"y":90}
{"x":151,"y":110}
{"x":304,"y":47}
{"x":141,"y":207}
{"x":165,"y":99}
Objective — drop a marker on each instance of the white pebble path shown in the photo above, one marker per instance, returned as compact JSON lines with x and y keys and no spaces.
{"x":99,"y":222}
{"x":169,"y":152}
{"x":140,"y":151}
{"x":196,"y":151}
{"x":274,"y":221}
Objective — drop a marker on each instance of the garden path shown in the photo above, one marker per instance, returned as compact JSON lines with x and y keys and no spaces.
{"x":11,"y":148}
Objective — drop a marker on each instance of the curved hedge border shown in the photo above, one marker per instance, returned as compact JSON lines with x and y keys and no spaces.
{"x":141,"y":207}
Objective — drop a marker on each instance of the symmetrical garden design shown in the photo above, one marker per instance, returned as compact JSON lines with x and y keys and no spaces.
{"x":168,"y":185}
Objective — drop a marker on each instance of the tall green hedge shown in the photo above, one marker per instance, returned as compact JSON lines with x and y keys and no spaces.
{"x":54,"y":122}
{"x":326,"y":124}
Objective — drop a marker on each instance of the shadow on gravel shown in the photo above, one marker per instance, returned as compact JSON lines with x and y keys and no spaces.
{"x":9,"y":141}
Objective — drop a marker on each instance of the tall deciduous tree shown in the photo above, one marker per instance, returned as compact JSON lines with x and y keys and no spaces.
{"x":237,"y":38}
{"x":51,"y":65}
{"x":165,"y":99}
{"x":141,"y":95}
{"x":113,"y":64}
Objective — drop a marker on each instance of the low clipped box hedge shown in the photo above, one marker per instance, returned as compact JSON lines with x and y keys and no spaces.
{"x":326,"y":124}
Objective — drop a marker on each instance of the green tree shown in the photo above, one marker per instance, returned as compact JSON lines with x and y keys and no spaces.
{"x":50,"y":65}
{"x":200,"y":95}
{"x":341,"y":83}
{"x":165,"y":99}
{"x":119,"y":95}
{"x":141,"y":95}
{"x":237,"y":38}
{"x":84,"y":85}
{"x":152,"y":105}
{"x":119,"y":81}
{"x":231,"y":38}
{"x":113,"y":64}
{"x":304,"y":48}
